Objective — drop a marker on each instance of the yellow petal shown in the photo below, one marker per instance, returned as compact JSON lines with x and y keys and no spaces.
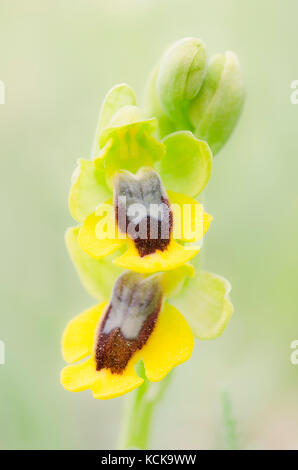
{"x":191,"y":222}
{"x":79,"y":377}
{"x":170,"y":344}
{"x":78,"y":336}
{"x":103,"y":383}
{"x":175,"y":255}
{"x":97,"y":248}
{"x":110,"y":385}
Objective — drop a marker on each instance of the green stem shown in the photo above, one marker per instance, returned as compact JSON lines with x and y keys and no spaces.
{"x":138,"y":412}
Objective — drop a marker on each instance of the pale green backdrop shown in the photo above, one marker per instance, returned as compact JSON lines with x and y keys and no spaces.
{"x":57,"y":60}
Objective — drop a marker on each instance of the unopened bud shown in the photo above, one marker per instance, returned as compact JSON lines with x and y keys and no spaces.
{"x":180,"y":76}
{"x":216,"y":109}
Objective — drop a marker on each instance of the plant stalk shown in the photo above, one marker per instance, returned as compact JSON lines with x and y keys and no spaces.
{"x":138,"y":412}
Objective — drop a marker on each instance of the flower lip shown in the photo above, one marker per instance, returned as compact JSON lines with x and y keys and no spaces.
{"x":169,"y":339}
{"x":143,"y":210}
{"x":100,"y":236}
{"x":129,"y":320}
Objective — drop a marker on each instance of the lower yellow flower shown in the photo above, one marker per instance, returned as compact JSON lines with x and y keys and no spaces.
{"x":148,"y":221}
{"x":135,"y":325}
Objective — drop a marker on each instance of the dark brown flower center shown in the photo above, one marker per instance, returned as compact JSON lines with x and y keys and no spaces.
{"x":143,"y":210}
{"x":129,"y":320}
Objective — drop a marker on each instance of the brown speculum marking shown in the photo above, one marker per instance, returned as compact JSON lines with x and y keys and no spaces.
{"x":129,"y":320}
{"x":143,"y":210}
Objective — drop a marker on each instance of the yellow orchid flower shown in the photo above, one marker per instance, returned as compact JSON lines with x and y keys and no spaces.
{"x":139,"y":208}
{"x":137,"y":324}
{"x":141,"y":322}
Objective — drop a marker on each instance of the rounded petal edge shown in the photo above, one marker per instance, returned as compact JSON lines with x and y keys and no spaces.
{"x":204,"y":301}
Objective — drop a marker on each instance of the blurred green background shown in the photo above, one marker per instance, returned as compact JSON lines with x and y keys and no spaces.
{"x":57,"y":60}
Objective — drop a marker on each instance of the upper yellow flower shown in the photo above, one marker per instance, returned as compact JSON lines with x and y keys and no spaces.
{"x":147,"y":220}
{"x":128,"y":161}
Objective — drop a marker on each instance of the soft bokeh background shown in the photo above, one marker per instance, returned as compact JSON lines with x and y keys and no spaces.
{"x":58,"y":59}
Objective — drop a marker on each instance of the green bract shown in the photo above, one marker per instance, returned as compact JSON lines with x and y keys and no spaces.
{"x":196,"y":164}
{"x":174,"y":280}
{"x":204,"y":301}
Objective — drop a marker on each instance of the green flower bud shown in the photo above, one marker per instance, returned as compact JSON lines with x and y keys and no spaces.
{"x":215,"y":111}
{"x":180,"y":76}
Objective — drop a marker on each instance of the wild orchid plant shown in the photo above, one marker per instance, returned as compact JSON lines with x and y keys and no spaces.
{"x":141,"y":224}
